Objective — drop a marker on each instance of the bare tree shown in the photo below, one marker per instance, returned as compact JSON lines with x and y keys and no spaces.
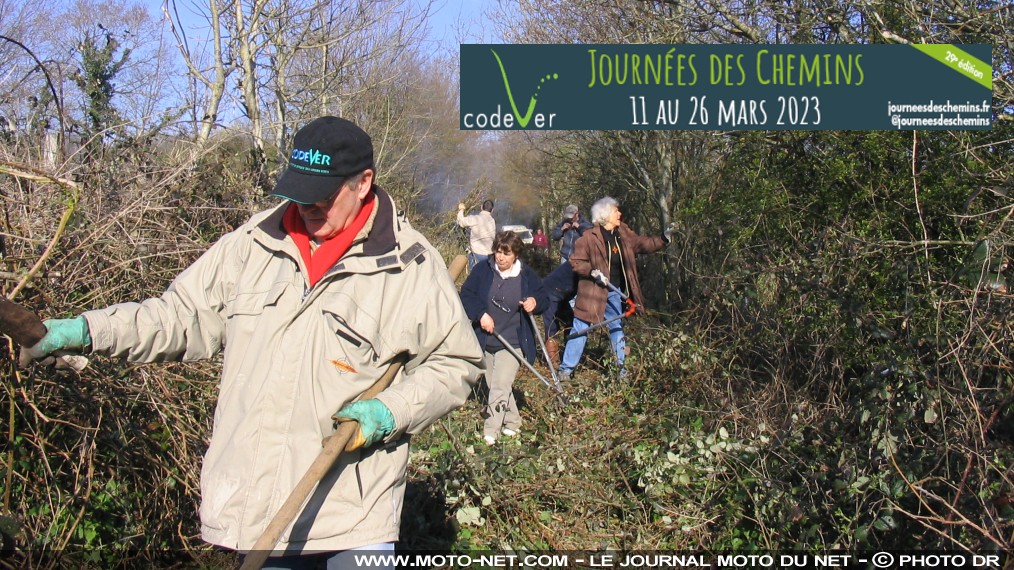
{"x":295,"y":59}
{"x":31,"y":91}
{"x":328,"y":57}
{"x":212,"y":74}
{"x":143,"y":82}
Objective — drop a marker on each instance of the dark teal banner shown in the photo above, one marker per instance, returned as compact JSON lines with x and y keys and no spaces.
{"x":725,"y":87}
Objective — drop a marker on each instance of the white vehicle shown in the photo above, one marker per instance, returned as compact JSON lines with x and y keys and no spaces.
{"x":523,"y":232}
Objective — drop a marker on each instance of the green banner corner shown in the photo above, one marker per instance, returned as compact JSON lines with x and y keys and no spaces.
{"x":960,"y":61}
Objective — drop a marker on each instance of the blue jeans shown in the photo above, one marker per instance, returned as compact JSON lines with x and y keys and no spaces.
{"x":343,"y":560}
{"x":474,"y":259}
{"x":575,"y":346}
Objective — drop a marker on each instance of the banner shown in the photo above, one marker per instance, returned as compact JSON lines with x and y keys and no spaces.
{"x":754,"y":560}
{"x":725,"y":87}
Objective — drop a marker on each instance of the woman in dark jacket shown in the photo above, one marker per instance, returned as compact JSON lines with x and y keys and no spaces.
{"x":495,"y":295}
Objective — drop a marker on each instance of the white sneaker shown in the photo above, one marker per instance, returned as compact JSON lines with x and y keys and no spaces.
{"x":490,"y":440}
{"x":508,"y":432}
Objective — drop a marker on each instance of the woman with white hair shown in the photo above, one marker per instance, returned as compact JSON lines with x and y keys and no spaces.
{"x":611,"y":248}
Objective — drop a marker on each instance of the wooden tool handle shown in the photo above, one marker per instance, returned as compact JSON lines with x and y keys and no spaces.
{"x":333,"y":447}
{"x":27,"y":329}
{"x":17,"y":322}
{"x":457,"y":266}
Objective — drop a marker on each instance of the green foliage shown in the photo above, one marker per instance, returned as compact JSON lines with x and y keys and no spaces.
{"x":97,"y":70}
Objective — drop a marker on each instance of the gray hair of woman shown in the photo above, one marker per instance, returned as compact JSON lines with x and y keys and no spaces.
{"x":600,"y":210}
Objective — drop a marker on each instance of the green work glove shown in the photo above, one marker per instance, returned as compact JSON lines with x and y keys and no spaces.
{"x":375,"y":422}
{"x":64,"y":335}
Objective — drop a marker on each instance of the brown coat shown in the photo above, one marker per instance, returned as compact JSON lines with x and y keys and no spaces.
{"x":590,"y":253}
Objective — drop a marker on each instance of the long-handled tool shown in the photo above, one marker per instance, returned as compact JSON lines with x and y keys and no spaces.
{"x":545,"y":352}
{"x":26,"y":328}
{"x":631,"y":306}
{"x":558,"y":389}
{"x":333,"y":446}
{"x":22,"y":325}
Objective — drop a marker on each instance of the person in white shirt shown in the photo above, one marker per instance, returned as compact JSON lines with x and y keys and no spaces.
{"x":482,"y":230}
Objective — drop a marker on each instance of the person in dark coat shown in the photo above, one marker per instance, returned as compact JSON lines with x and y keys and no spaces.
{"x":495,"y":296}
{"x":572,"y":227}
{"x":561,"y":285}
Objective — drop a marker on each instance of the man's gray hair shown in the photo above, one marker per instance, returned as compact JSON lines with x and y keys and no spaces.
{"x":353,"y":180}
{"x":600,"y":210}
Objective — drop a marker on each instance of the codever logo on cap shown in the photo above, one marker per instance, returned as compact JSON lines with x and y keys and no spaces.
{"x":311,"y":157}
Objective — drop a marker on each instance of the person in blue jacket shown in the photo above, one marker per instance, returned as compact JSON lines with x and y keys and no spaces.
{"x":569,"y":229}
{"x":561,"y":286}
{"x":495,"y":295}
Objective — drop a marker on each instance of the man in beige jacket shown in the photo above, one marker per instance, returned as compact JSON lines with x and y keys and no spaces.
{"x":309,"y":301}
{"x":482,"y":230}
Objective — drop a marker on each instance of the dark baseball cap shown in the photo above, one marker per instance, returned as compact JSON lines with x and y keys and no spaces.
{"x":324,"y":153}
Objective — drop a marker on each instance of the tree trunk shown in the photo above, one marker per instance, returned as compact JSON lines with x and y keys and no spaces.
{"x":221,"y":74}
{"x":216,"y":87}
{"x":245,"y":39}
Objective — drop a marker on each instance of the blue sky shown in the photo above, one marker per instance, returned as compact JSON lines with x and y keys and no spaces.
{"x":446,"y":13}
{"x":445,"y":16}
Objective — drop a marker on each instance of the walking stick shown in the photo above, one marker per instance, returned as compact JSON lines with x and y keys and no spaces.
{"x":333,"y":446}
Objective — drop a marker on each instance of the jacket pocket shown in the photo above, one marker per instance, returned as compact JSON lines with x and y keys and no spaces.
{"x":254,"y":303}
{"x":356,"y":329}
{"x":245,"y":317}
{"x":336,"y":505}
